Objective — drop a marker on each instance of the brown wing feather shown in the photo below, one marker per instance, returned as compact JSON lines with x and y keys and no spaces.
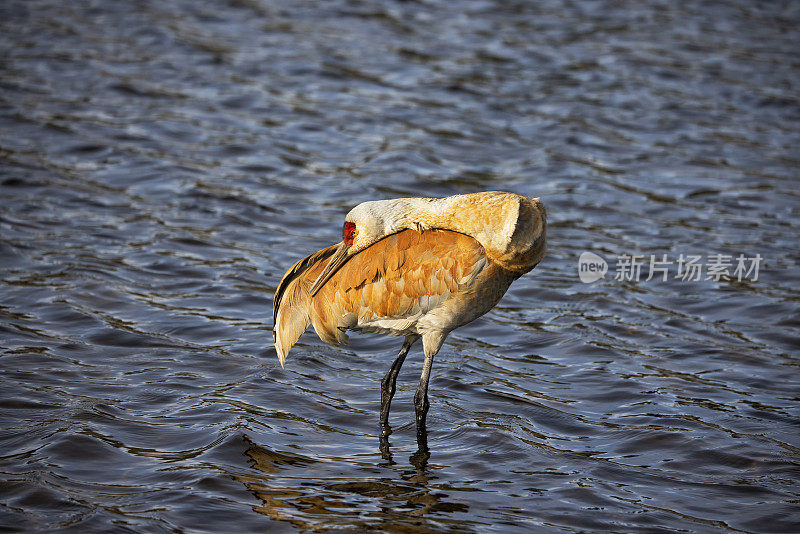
{"x":290,"y":306}
{"x":398,"y":276}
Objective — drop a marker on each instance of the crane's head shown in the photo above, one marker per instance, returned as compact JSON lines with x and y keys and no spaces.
{"x":366,"y":224}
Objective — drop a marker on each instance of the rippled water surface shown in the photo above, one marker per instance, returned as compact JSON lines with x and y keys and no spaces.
{"x":163,"y":163}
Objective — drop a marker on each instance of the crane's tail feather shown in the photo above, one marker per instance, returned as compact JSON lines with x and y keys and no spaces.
{"x":289,"y":327}
{"x":292,"y":302}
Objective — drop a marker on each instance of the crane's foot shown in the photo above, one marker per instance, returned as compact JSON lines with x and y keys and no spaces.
{"x":386,"y":452}
{"x":420,"y":458}
{"x":421,"y":406}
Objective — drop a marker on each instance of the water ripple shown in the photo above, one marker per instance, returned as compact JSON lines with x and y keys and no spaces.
{"x":164,"y":163}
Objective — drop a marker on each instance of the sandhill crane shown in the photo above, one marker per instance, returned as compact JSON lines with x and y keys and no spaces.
{"x":411,"y":267}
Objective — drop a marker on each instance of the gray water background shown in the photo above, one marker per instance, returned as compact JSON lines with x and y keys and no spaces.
{"x":163,"y":163}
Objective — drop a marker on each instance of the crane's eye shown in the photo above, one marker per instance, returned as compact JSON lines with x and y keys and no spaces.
{"x":349,"y":232}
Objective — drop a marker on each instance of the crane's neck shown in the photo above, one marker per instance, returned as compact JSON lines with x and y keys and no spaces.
{"x":511,"y":228}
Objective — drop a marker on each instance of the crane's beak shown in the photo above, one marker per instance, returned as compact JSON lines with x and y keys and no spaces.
{"x":339,"y":258}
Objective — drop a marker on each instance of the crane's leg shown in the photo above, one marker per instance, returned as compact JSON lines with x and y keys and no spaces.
{"x":431,"y":343}
{"x":388,"y":384}
{"x":421,"y":403}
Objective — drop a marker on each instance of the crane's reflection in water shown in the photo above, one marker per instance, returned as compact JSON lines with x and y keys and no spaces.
{"x":295,"y":489}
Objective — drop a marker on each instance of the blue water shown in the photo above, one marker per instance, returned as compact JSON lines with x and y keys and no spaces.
{"x":163,"y":163}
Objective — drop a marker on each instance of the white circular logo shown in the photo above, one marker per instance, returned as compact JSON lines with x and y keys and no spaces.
{"x":591,"y":267}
